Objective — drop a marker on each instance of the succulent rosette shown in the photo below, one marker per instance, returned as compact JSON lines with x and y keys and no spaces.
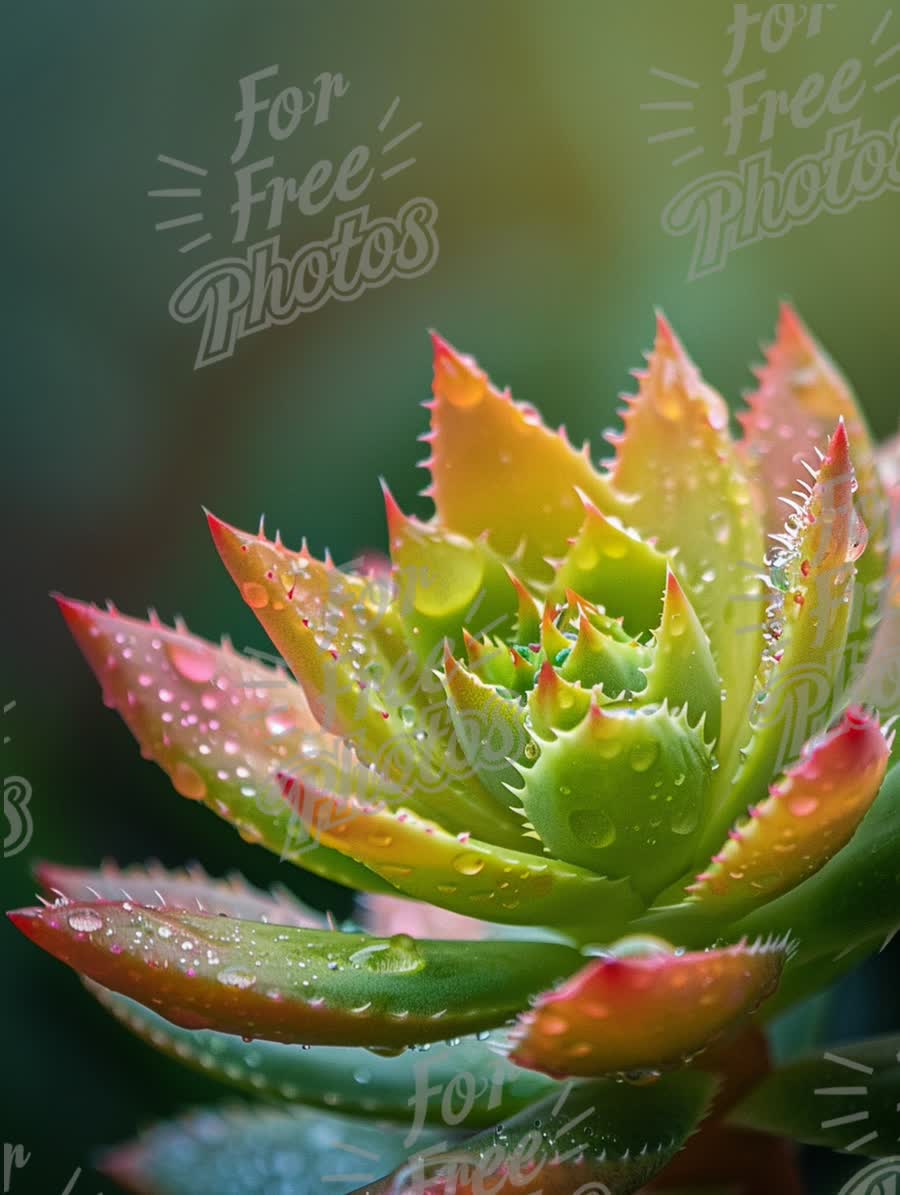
{"x":600,"y":748}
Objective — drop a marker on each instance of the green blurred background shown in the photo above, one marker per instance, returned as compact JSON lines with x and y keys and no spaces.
{"x":538,"y":155}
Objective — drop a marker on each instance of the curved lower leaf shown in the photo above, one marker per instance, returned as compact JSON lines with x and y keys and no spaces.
{"x":287,"y":984}
{"x":244,"y":1151}
{"x":600,"y":1138}
{"x":466,"y":1085}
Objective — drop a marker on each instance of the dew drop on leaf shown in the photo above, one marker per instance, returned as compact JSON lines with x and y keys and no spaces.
{"x":85,"y":921}
{"x":236,"y":977}
{"x":188,"y":782}
{"x":593,"y":827}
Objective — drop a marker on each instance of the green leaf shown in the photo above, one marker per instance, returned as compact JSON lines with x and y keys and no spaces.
{"x":470,"y":1084}
{"x":446,"y":581}
{"x":800,"y":397}
{"x":244,"y":1151}
{"x":465,"y":874}
{"x":624,"y":793}
{"x":845,"y":1098}
{"x":678,"y":478}
{"x":364,"y":679}
{"x":801,"y":673}
{"x":615,"y":569}
{"x":288,"y":984}
{"x":495,"y":465}
{"x":589,"y":1137}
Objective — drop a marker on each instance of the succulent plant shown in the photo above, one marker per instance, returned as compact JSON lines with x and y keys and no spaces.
{"x":602,"y":753}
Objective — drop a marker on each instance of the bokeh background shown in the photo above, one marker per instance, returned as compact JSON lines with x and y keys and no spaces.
{"x":536,"y":150}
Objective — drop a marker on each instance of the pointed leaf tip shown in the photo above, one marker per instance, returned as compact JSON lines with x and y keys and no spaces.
{"x":645,"y":1006}
{"x":809,"y":816}
{"x":277,"y":982}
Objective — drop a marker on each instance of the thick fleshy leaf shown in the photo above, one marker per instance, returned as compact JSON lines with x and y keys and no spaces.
{"x":683,"y":670}
{"x":191,"y":891}
{"x":800,"y":677}
{"x":624,"y":793}
{"x":489,"y":727}
{"x":495,"y":467}
{"x":615,"y":569}
{"x":244,"y":1151}
{"x":470,"y":1084}
{"x":468,"y":876}
{"x":219,"y":724}
{"x":845,"y":1098}
{"x":286,"y":984}
{"x":446,"y":581}
{"x":646,"y":1007}
{"x":852,"y":900}
{"x":677,"y":477}
{"x":601,"y":659}
{"x":599,"y":1137}
{"x":810,"y":814}
{"x":879,"y":683}
{"x":364,"y":679}
{"x":800,"y":397}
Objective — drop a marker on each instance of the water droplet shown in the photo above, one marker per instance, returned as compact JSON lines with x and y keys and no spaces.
{"x":398,"y":956}
{"x":587,"y":558}
{"x":236,"y":977}
{"x":85,"y":921}
{"x":188,"y":782}
{"x":468,"y":863}
{"x":686,"y":817}
{"x":255,"y":595}
{"x":803,"y":806}
{"x":194,"y":663}
{"x":531,"y":750}
{"x":593,"y":827}
{"x":280,"y":722}
{"x":643,"y":756}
